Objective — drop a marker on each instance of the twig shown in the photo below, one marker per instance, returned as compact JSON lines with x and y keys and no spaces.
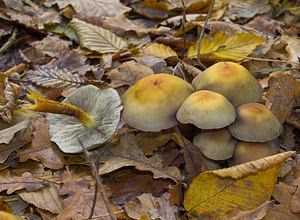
{"x":202,"y":34}
{"x":10,"y":41}
{"x":183,"y":26}
{"x":19,"y":69}
{"x":98,"y":185}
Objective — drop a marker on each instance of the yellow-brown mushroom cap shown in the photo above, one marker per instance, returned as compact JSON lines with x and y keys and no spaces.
{"x":255,"y":123}
{"x":151,"y":104}
{"x":230,"y":79}
{"x":215,"y":144}
{"x":248,"y":151}
{"x":207,"y":110}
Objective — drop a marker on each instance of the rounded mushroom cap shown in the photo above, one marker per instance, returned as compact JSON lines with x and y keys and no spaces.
{"x":230,"y":79}
{"x":207,"y":110}
{"x":248,"y":151}
{"x":255,"y":123}
{"x":215,"y":144}
{"x":151,"y":104}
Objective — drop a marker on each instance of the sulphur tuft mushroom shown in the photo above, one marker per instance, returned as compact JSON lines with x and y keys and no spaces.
{"x":215,"y":144}
{"x":248,"y":151}
{"x":88,"y":114}
{"x":207,"y":110}
{"x":230,"y":79}
{"x":255,"y":123}
{"x":152,"y":102}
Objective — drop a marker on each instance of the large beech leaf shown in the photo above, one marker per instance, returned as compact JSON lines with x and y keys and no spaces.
{"x":243,"y":187}
{"x":96,"y":38}
{"x":223,"y":47}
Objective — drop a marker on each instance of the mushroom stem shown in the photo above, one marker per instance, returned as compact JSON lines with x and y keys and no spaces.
{"x":43,"y":104}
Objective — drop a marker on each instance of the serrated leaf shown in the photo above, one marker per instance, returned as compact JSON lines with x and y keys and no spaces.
{"x":158,"y":50}
{"x":243,"y":187}
{"x":224,"y":47}
{"x":96,"y":38}
{"x":54,"y":78}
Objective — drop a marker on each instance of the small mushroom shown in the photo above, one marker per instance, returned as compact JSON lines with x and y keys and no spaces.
{"x":88,"y":114}
{"x":230,"y":79}
{"x":248,"y":151}
{"x":151,"y":104}
{"x":207,"y":110}
{"x":255,"y":123}
{"x":215,"y":144}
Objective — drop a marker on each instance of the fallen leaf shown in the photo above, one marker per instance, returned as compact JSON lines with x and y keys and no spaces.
{"x":153,"y":208}
{"x":293,"y":48}
{"x":41,"y":148}
{"x":295,"y":200}
{"x":244,"y":187}
{"x":128,"y":154}
{"x":96,"y":38}
{"x":46,"y":198}
{"x":158,"y":50}
{"x":8,"y":216}
{"x":14,"y":183}
{"x":7,"y":134}
{"x":223,"y":47}
{"x":128,"y":73}
{"x":79,"y":199}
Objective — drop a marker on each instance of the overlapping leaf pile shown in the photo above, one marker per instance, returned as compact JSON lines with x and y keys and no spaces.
{"x":55,"y":47}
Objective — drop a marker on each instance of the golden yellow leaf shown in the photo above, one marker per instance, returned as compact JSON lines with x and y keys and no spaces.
{"x":223,"y":47}
{"x":8,"y":216}
{"x":243,"y":187}
{"x":158,"y":50}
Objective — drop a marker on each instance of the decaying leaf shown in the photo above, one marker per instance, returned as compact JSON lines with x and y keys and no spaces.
{"x":96,"y":38}
{"x":244,"y":187}
{"x":150,"y":207}
{"x":223,"y":47}
{"x":54,"y":78}
{"x":46,"y":198}
{"x":7,"y":134}
{"x":14,"y":183}
{"x":8,"y":216}
{"x":158,"y":50}
{"x":128,"y":73}
{"x":41,"y":148}
{"x":128,"y":154}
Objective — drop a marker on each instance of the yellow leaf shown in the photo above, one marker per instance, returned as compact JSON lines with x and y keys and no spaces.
{"x":158,"y":50}
{"x":294,"y":11}
{"x":224,"y":47}
{"x":8,"y":216}
{"x":243,"y":187}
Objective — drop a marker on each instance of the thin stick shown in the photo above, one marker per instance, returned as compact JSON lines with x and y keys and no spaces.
{"x":98,"y":185}
{"x":202,"y":34}
{"x":10,"y":41}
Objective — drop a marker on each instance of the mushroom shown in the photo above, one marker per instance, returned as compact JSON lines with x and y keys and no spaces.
{"x":152,"y":102}
{"x":248,"y":151}
{"x":255,"y":123}
{"x":88,"y":114}
{"x":215,"y":144}
{"x":231,"y":80}
{"x":207,"y":110}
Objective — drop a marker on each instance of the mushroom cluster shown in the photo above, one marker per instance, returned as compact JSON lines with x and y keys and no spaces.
{"x":222,"y":102}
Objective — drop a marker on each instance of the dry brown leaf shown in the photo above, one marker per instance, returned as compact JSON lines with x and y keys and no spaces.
{"x":14,"y":183}
{"x":293,"y":50}
{"x":46,"y":198}
{"x":41,"y":148}
{"x":79,"y":199}
{"x":128,"y":73}
{"x":151,"y":207}
{"x":128,"y":154}
{"x":6,"y":135}
{"x":281,"y":95}
{"x":295,"y":200}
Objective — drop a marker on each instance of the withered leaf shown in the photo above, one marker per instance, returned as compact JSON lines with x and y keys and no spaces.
{"x":14,"y":183}
{"x":7,"y":134}
{"x":41,"y":148}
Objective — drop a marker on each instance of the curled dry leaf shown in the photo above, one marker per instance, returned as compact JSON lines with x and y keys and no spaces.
{"x":46,"y":198}
{"x":96,"y":38}
{"x":14,"y":183}
{"x":223,"y":47}
{"x":41,"y":148}
{"x":244,"y":187}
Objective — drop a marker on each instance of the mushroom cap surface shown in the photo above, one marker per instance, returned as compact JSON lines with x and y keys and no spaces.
{"x":104,"y":105}
{"x":207,"y":110}
{"x":215,"y":144}
{"x":255,"y":123}
{"x":152,"y":102}
{"x":230,"y":79}
{"x":248,"y":151}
